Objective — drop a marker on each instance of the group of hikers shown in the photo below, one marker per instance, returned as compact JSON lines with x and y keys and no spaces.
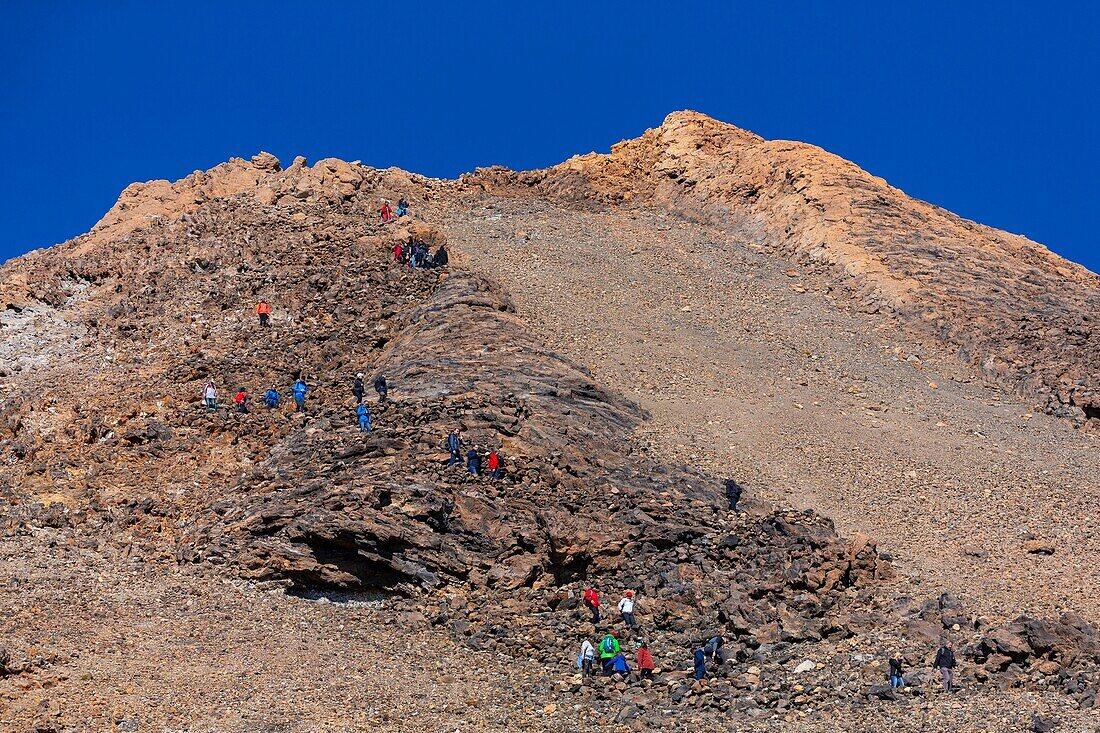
{"x":272,"y":398}
{"x":388,"y":214}
{"x":415,"y":253}
{"x":612,"y":660}
{"x":611,"y":657}
{"x":477,"y":459}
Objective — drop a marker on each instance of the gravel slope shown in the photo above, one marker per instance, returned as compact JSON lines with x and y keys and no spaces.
{"x":751,"y":372}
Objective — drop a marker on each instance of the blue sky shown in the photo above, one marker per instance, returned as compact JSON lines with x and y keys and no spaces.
{"x":989,"y":111}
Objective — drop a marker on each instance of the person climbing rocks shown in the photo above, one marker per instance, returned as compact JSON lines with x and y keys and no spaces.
{"x":387,"y":212}
{"x":398,"y":252}
{"x":619,"y":665}
{"x":440,"y":258}
{"x":402,"y":207}
{"x":473,"y":461}
{"x":609,"y":647}
{"x":454,"y":446}
{"x":699,"y":659}
{"x":733,"y":494}
{"x":592,"y":600}
{"x":945,"y":663}
{"x":271,"y":397}
{"x":300,"y":389}
{"x":713,"y":649}
{"x":357,"y":390}
{"x":241,"y":400}
{"x":586,"y":658}
{"x":897,"y":678}
{"x":644,"y":660}
{"x":364,"y":418}
{"x":381,"y":388}
{"x":626,"y":609}
{"x":263,"y":310}
{"x":494,"y":464}
{"x":210,"y":396}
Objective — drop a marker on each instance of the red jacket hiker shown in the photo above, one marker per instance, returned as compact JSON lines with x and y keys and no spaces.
{"x":387,"y":212}
{"x":592,"y":600}
{"x":645,"y":659}
{"x":494,"y":461}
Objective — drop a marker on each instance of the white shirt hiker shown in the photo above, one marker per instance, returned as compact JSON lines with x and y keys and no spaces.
{"x":587,"y":650}
{"x":626,"y":605}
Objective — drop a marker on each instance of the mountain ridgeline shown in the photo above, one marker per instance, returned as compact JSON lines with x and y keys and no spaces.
{"x":111,"y":457}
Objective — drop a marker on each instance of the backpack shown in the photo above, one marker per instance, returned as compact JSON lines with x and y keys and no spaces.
{"x":607,"y":645}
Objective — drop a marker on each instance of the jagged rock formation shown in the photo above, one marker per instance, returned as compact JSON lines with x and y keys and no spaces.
{"x":110,"y":458}
{"x":1024,"y":315}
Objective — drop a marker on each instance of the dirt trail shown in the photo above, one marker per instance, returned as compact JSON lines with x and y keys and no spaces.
{"x":750,"y":368}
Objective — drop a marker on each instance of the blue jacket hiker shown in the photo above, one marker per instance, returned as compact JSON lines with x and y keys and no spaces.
{"x":700,"y":660}
{"x":271,"y":398}
{"x":454,"y":446}
{"x":364,"y":418}
{"x":300,"y":389}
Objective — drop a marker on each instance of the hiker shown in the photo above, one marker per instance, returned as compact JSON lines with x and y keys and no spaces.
{"x":364,"y":418}
{"x":699,"y":658}
{"x":439,"y":259}
{"x":733,"y":494}
{"x":586,"y":658}
{"x":357,"y":388}
{"x":454,"y":445}
{"x":645,"y":661}
{"x":242,"y":400}
{"x":494,"y":464}
{"x":300,"y":389}
{"x":398,"y":252}
{"x":402,"y":207}
{"x":609,"y":648}
{"x":210,"y":396}
{"x":626,"y":609}
{"x":713,"y":649}
{"x":473,"y":461}
{"x":592,"y":600}
{"x":896,"y":678}
{"x":945,"y":663}
{"x":387,"y":212}
{"x":619,"y":665}
{"x":271,"y":397}
{"x":263,"y":310}
{"x":381,"y":388}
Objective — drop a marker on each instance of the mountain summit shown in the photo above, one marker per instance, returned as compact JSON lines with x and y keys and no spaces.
{"x":1010,"y":306}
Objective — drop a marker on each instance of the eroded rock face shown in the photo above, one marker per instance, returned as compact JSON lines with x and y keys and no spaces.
{"x":1024,"y":315}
